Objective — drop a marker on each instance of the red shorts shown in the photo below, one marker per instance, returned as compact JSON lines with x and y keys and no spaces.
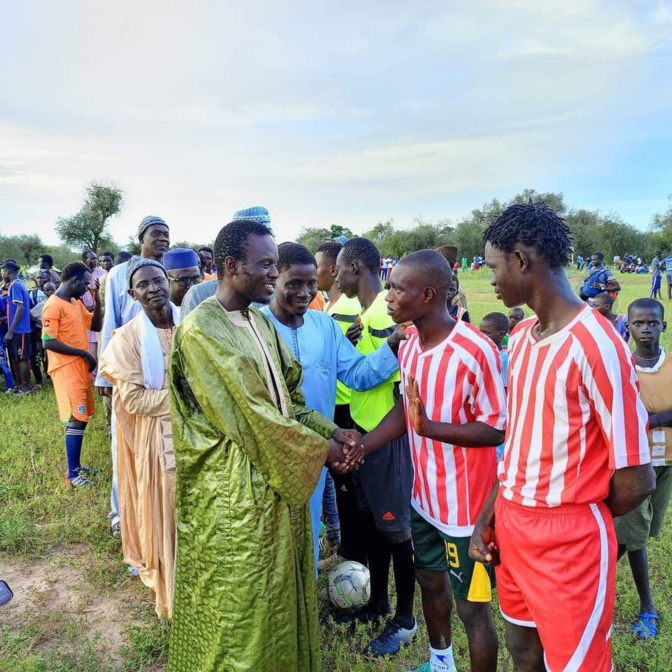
{"x":558,"y":574}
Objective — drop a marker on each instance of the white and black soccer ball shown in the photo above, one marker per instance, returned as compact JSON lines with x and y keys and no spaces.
{"x":349,"y":585}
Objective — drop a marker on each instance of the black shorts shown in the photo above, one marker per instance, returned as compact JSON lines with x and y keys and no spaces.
{"x":384,"y":483}
{"x":18,"y":349}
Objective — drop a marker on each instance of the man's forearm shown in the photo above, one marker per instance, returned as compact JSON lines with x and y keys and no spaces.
{"x":469,"y":435}
{"x":487,"y":514}
{"x":63,"y":349}
{"x":391,"y":427}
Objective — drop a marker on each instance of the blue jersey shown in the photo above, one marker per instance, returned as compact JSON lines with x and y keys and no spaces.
{"x":18,"y":294}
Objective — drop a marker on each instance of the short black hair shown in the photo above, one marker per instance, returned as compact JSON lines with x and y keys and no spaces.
{"x":434,"y":266}
{"x":534,"y":225}
{"x":330,"y":250}
{"x":232,"y":240}
{"x":498,"y":320}
{"x":647,"y":304}
{"x":599,"y":255}
{"x":87,"y":252}
{"x":107,"y":254}
{"x":362,"y":249}
{"x":47,"y":259}
{"x":122,"y":257}
{"x":75,"y":269}
{"x":517,"y":310}
{"x":207,"y":249}
{"x":293,"y":254}
{"x":606,"y":298}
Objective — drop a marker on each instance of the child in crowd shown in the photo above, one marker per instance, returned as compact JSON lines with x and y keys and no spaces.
{"x":654,"y":369}
{"x":515,"y":316}
{"x":496,"y":327}
{"x":603,"y":303}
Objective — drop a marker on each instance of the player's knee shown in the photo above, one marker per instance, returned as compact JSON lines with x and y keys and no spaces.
{"x":526,"y":658}
{"x":430,"y":582}
{"x":473,"y":614}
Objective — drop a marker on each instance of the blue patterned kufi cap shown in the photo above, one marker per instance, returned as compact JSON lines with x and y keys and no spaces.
{"x":136,"y":263}
{"x":148,"y":221}
{"x":341,"y":239}
{"x":255,"y":214}
{"x":179,"y":257}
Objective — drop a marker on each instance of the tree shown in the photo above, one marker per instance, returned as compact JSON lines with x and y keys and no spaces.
{"x":312,"y":237}
{"x":661,"y":223}
{"x":25,"y":249}
{"x":338,"y":230}
{"x":88,"y":229}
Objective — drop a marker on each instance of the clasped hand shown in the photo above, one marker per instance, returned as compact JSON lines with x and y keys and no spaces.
{"x":346,"y":451}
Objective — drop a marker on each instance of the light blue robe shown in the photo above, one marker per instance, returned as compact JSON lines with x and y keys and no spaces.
{"x":326,"y":355}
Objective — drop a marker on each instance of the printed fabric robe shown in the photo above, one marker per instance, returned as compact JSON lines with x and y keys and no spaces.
{"x":146,"y":462}
{"x":249,"y":455}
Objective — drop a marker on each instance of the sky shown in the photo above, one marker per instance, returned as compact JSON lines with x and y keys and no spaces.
{"x":331,"y":113}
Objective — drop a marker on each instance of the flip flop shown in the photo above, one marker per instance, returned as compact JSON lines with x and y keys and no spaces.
{"x":646,"y":626}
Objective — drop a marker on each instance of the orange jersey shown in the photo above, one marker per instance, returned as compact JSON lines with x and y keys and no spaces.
{"x":66,"y":322}
{"x":318,"y":302}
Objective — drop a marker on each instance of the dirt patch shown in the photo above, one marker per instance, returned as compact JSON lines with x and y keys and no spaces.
{"x":54,"y":591}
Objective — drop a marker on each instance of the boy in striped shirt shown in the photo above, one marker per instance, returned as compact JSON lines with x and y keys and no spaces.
{"x":576,"y":455}
{"x":454,"y":412}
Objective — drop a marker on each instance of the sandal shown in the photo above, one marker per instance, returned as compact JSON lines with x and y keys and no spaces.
{"x":646,"y":626}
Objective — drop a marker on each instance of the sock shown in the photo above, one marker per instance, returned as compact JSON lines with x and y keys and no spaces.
{"x":73,"y":449}
{"x":404,"y":581}
{"x":441,"y":660}
{"x":379,"y":550}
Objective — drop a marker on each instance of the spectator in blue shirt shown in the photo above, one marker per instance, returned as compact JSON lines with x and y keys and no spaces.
{"x":599,"y":279}
{"x":17,"y":339}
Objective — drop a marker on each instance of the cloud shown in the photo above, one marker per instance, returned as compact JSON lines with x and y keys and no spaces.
{"x":322,"y":113}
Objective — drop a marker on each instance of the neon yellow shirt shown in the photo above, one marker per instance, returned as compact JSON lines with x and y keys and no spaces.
{"x":369,"y":408}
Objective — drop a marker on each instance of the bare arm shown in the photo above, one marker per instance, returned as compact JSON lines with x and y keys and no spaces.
{"x":62,"y":349}
{"x":20,"y":309}
{"x":470,"y":435}
{"x":482,"y":546}
{"x":391,"y":427}
{"x":629,"y":488}
{"x":662,"y":419}
{"x":97,"y":319}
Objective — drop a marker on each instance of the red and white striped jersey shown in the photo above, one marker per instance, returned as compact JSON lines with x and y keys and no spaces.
{"x":574,"y":413}
{"x":459,"y":381}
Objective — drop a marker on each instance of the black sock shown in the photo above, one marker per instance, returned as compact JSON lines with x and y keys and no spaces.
{"x":404,"y":581}
{"x":379,"y":550}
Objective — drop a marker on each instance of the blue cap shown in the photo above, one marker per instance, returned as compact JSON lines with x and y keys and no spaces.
{"x":180,"y":257}
{"x":254,"y":214}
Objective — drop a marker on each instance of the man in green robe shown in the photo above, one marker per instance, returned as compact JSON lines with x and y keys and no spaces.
{"x":249,"y":455}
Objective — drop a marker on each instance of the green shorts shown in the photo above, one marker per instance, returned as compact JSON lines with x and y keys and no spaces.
{"x":634,"y":529}
{"x":438,"y":552}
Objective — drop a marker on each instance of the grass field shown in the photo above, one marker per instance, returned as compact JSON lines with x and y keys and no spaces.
{"x":78,"y":609}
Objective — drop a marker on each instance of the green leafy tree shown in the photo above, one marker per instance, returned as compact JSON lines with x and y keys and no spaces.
{"x":661,"y":225}
{"x":25,"y":248}
{"x":88,"y":229}
{"x":337,"y":230}
{"x":312,"y":238}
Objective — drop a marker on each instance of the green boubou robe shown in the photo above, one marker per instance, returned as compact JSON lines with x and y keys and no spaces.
{"x":249,"y":455}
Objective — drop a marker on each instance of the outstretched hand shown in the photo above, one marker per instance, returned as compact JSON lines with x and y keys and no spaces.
{"x":416,"y":409}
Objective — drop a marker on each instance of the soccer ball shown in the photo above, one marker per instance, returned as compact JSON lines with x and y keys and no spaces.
{"x":348,"y":585}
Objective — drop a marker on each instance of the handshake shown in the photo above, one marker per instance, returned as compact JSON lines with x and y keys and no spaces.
{"x":346,"y":451}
